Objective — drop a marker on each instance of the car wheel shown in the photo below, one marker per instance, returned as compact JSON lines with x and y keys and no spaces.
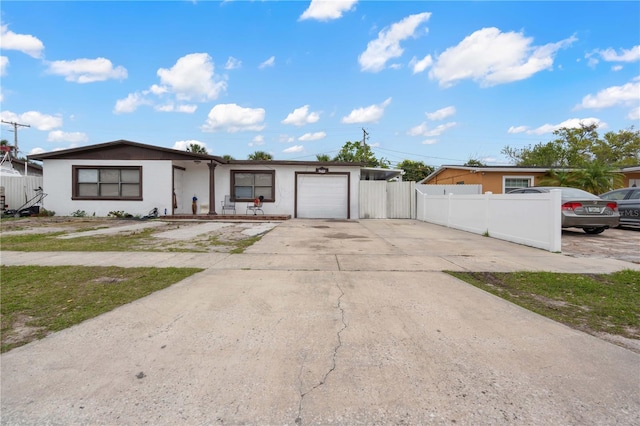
{"x":594,"y":230}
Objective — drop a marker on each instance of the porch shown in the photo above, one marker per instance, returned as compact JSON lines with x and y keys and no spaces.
{"x":227,"y":217}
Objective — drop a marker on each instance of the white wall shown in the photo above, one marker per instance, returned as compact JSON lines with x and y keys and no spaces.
{"x":285,"y":187}
{"x":529,"y":219}
{"x":156,"y":188}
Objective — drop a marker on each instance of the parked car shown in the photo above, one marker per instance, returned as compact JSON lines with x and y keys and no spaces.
{"x":628,"y":200}
{"x":581,"y":209}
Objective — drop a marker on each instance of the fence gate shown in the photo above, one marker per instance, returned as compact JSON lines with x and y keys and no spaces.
{"x":387,"y":200}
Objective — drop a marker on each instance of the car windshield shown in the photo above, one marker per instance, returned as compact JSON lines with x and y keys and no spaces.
{"x":576,"y":193}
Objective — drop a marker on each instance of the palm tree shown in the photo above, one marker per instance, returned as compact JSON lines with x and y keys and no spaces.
{"x":228,"y":157}
{"x":597,"y":177}
{"x":198,"y":149}
{"x":323,"y":157}
{"x":558,"y":177}
{"x":260,"y":155}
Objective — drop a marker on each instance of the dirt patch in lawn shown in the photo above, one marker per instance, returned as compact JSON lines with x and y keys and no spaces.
{"x":165,"y":235}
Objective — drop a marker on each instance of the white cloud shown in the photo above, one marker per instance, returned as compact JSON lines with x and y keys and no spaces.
{"x":491,"y":57}
{"x":419,"y":65}
{"x":626,"y":94}
{"x":572,"y":123}
{"x":634,"y":114}
{"x":4,"y":64}
{"x":369,"y":114}
{"x":233,"y":118}
{"x":301,"y":116}
{"x":130,"y":103}
{"x":183,"y":145}
{"x":323,"y":10}
{"x":257,"y":140}
{"x":192,"y":78}
{"x":616,"y":68}
{"x":286,"y":139}
{"x":517,"y":129}
{"x":312,"y":136}
{"x":60,"y":136}
{"x":22,"y":42}
{"x":158,"y":90}
{"x":170,"y":107}
{"x":387,"y":45}
{"x":424,"y":130}
{"x":87,"y":70}
{"x":232,"y":63}
{"x":295,"y":148}
{"x":429,"y":141}
{"x":610,"y":55}
{"x":441,"y":114}
{"x":268,"y":63}
{"x":35,"y":151}
{"x":34,"y":119}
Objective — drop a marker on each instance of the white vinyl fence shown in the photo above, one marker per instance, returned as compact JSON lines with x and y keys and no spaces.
{"x":449,"y":189}
{"x":19,"y":189}
{"x":530,"y":219}
{"x":387,"y":200}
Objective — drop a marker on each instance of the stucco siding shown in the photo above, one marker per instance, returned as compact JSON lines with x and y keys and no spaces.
{"x":57,"y":183}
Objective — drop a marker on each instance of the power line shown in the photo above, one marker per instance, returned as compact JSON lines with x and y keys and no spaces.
{"x":15,"y":134}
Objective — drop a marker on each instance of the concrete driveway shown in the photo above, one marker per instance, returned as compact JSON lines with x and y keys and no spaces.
{"x":328,"y":322}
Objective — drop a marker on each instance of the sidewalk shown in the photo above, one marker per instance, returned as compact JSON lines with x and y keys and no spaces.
{"x":325,"y":322}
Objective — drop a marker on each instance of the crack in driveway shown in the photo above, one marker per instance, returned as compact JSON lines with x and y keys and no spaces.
{"x":333,"y":363}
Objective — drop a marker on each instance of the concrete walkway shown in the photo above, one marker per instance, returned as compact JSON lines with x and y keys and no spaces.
{"x":325,"y":322}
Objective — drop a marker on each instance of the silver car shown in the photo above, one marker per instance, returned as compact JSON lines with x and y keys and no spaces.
{"x":628,"y":200}
{"x":581,"y":209}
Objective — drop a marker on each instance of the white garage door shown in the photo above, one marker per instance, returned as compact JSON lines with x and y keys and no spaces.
{"x":322,"y":197}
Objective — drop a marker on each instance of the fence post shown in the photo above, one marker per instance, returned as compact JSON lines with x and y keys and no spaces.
{"x":556,"y":221}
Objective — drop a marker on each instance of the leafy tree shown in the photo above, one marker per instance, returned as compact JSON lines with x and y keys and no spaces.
{"x":414,"y":170}
{"x":620,"y":149}
{"x":228,"y":157}
{"x":474,"y":163}
{"x":260,"y":155}
{"x":576,"y":147}
{"x":323,"y":157}
{"x":196,"y":148}
{"x":355,"y":152}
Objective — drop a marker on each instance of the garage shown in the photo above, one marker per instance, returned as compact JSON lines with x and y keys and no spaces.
{"x":323,"y":196}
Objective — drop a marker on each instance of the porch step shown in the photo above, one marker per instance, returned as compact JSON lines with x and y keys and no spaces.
{"x":222,"y":217}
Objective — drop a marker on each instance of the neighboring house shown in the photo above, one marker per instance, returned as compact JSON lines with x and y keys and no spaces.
{"x":136,"y":178}
{"x":631,"y":176}
{"x":501,"y":179}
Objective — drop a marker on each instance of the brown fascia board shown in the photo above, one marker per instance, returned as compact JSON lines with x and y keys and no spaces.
{"x":125,"y":150}
{"x":295,"y":163}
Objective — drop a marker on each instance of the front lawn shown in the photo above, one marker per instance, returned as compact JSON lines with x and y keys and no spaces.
{"x":38,"y":300}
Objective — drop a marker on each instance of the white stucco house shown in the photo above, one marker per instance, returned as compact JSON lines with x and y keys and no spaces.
{"x":136,"y":178}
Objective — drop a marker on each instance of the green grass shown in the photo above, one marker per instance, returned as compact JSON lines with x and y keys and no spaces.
{"x":594,"y":303}
{"x":39,"y":300}
{"x":49,"y":242}
{"x":137,"y":241}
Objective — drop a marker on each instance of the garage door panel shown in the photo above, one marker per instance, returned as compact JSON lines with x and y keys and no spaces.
{"x":323,"y":197}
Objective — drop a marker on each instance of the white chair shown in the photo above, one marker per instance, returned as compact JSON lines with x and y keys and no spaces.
{"x":228,"y":204}
{"x":256,"y":207}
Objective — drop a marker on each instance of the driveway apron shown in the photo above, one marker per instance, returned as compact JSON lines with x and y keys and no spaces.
{"x":328,"y":322}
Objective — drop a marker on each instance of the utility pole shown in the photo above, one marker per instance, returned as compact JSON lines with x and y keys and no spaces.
{"x":15,"y":135}
{"x":365,"y":136}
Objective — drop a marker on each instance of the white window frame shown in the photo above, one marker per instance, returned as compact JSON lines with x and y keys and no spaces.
{"x":504,"y":181}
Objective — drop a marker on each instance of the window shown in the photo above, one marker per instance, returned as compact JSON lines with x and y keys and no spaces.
{"x":510,"y":183}
{"x":108,"y":183}
{"x":247,"y":185}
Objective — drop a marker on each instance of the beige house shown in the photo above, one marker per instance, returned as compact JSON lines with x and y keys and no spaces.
{"x":502,"y":179}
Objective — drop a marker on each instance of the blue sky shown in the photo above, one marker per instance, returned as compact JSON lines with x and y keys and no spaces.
{"x":438,"y":82}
